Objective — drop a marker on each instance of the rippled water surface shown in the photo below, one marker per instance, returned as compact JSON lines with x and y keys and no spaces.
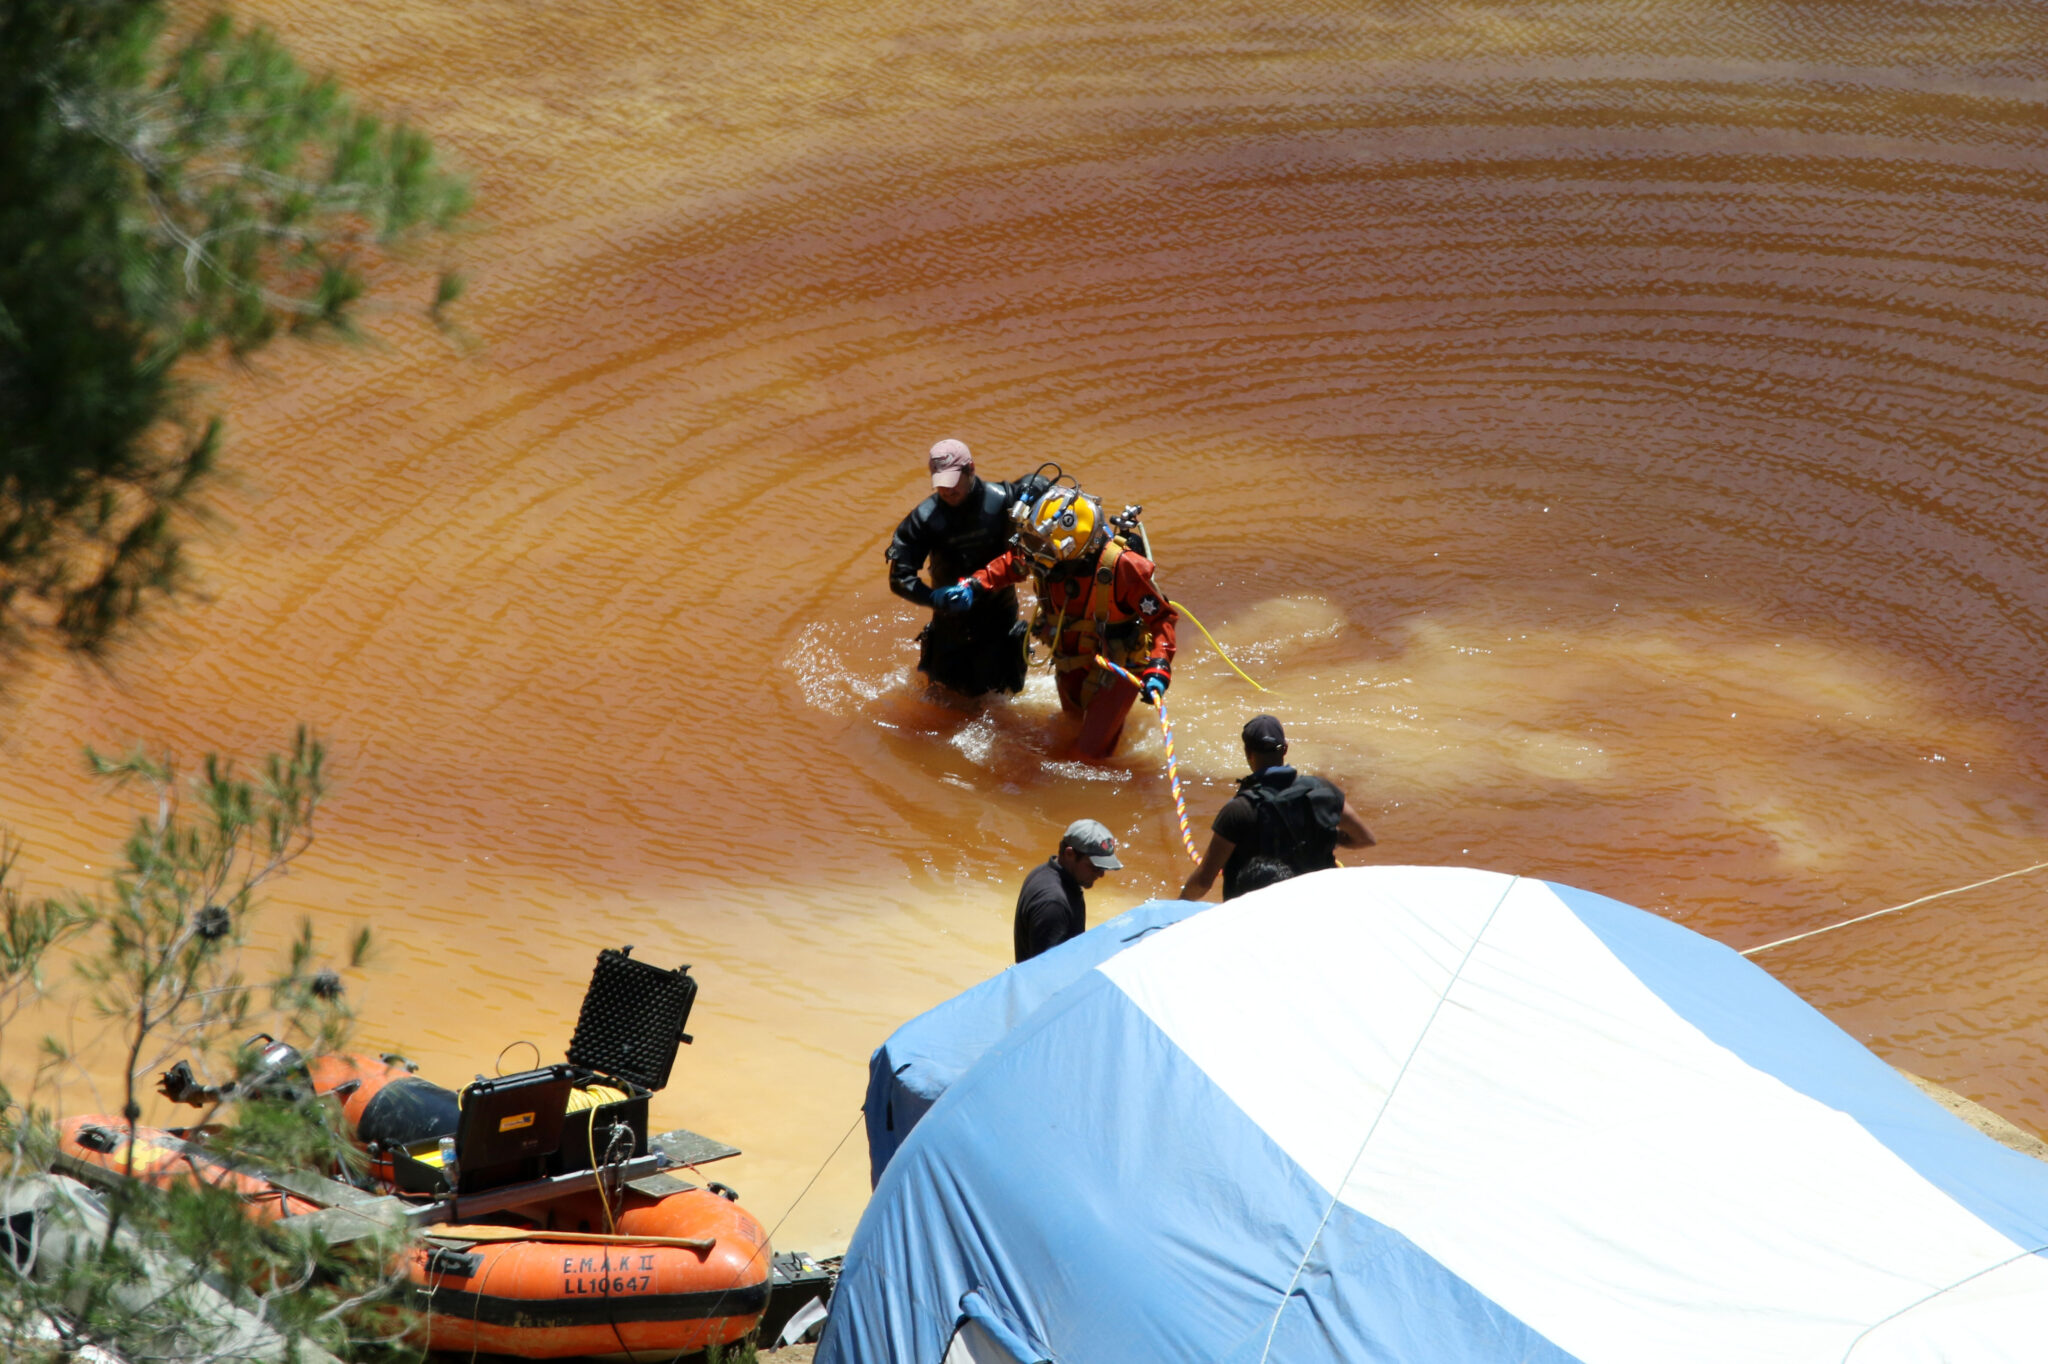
{"x":1614,"y":431}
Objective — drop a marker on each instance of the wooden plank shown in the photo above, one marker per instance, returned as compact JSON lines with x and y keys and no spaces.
{"x":469,"y":1235}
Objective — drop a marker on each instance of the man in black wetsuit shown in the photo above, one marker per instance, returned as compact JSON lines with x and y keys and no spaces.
{"x":1276,"y":813}
{"x":964,"y":524}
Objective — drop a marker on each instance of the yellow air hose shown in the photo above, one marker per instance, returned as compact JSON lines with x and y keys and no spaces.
{"x":1217,"y":647}
{"x":1153,"y":550}
{"x":592,"y":1097}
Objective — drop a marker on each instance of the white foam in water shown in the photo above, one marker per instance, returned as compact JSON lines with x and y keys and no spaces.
{"x":827,"y":681}
{"x":976,"y":739}
{"x":867,"y":670}
{"x":1080,"y":771}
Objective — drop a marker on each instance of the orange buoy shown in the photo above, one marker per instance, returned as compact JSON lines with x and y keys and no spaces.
{"x":550,"y":1300}
{"x":163,"y":1158}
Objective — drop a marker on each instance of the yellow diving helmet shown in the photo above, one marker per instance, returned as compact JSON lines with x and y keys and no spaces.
{"x":1064,"y":525}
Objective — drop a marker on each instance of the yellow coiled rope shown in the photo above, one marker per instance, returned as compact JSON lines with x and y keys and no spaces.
{"x":595,"y":1096}
{"x":589,"y":1096}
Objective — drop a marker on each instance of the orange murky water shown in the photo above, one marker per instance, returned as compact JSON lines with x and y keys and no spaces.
{"x":1616,"y":432}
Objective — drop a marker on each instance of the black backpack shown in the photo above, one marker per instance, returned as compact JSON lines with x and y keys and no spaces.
{"x":1297,"y":823}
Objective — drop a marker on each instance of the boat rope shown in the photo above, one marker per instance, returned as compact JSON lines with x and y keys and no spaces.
{"x":1894,"y":909}
{"x":1337,"y":1191}
{"x":815,"y":1174}
{"x":769,"y":1239}
{"x":476,"y":1310}
{"x":1180,"y":804}
{"x":1217,"y":647}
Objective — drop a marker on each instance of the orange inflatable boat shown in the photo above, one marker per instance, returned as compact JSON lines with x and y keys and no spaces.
{"x":164,"y":1158}
{"x":603,"y":1295}
{"x":546,"y":1222}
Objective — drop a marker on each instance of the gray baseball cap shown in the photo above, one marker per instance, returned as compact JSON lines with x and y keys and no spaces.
{"x":1094,"y":841}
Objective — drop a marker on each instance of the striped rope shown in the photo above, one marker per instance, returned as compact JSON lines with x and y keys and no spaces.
{"x":1180,"y":805}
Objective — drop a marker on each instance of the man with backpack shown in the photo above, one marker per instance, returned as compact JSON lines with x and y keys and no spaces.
{"x":1277,"y":812}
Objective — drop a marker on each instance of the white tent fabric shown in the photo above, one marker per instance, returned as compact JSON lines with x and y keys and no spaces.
{"x":1439,"y":1115}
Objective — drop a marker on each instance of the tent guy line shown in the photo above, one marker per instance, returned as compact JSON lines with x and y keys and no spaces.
{"x":1894,"y":909}
{"x":769,"y":1240}
{"x":1337,"y":1194}
{"x":1945,"y":1289}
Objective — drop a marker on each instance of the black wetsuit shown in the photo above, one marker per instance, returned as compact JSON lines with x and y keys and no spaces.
{"x":981,"y":649}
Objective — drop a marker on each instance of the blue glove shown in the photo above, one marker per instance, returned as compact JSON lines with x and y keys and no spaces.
{"x":958,"y":597}
{"x":1154,"y":688}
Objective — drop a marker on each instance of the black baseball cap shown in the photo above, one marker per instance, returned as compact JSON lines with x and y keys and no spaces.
{"x":1263,"y":733}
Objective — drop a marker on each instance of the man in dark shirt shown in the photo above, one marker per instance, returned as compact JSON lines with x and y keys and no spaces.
{"x":1277,"y":812}
{"x":1051,"y":907}
{"x":961,"y":526}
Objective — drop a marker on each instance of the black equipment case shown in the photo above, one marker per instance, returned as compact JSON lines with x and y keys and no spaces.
{"x":634,"y":1017}
{"x":510,"y":1127}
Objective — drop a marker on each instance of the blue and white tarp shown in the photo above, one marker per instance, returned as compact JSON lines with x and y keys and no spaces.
{"x":1439,"y":1115}
{"x":923,"y":1058}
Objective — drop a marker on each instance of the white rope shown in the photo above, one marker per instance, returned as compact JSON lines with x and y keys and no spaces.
{"x":1877,"y":913}
{"x":1385,"y":1104}
{"x":1922,"y":1302}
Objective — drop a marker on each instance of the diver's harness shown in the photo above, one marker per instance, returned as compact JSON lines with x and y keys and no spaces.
{"x":1095,"y":632}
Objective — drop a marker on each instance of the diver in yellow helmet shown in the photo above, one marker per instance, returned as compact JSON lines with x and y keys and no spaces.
{"x":1096,"y":595}
{"x":1064,"y":526}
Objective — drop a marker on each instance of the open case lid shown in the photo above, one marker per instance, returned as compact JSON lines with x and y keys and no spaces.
{"x":633,"y":1019}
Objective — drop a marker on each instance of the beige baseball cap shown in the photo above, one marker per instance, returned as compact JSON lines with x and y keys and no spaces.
{"x":951,"y":461}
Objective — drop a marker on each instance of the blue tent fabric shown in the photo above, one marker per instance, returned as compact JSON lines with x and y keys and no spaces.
{"x":908,"y":1072}
{"x":1080,"y":1173}
{"x":1795,"y":1041}
{"x":1431,"y":1114}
